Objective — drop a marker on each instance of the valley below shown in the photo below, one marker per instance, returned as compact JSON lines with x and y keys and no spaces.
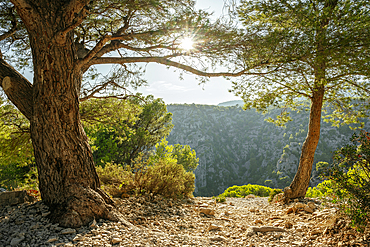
{"x":237,"y":147}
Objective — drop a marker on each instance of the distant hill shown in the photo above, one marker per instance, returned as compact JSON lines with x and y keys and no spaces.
{"x":238,"y":147}
{"x":232,"y":103}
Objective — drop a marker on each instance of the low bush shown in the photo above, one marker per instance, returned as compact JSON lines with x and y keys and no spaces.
{"x":323,"y":189}
{"x":244,"y":190}
{"x":169,"y":179}
{"x":18,"y":176}
{"x":112,"y":176}
{"x":219,"y":198}
{"x":165,"y":177}
{"x":273,"y":193}
{"x":350,"y":178}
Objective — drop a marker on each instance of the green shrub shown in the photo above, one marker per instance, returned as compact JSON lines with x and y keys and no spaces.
{"x":244,"y":190}
{"x":269,"y":183}
{"x":165,"y":177}
{"x":182,"y":154}
{"x":19,"y":177}
{"x":273,"y":193}
{"x":112,"y":176}
{"x":323,"y":189}
{"x":219,"y":198}
{"x":169,"y":179}
{"x":350,"y":176}
{"x":313,"y":192}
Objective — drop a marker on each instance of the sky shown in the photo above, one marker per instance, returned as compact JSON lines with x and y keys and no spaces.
{"x":165,"y":83}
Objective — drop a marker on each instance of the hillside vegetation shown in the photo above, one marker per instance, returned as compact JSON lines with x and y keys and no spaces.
{"x":237,"y":147}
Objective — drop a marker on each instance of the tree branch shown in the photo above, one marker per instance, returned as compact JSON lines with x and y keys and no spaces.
{"x":74,"y":7}
{"x":12,"y":30}
{"x":27,"y":13}
{"x":167,"y":62}
{"x":359,"y":86}
{"x":17,"y":88}
{"x":116,"y":45}
{"x":93,"y":52}
{"x":75,"y":13}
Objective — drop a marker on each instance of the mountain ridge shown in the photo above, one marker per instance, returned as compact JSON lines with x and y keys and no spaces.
{"x":237,"y":147}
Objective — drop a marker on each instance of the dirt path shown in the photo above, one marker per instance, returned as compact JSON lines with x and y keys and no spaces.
{"x":198,"y":222}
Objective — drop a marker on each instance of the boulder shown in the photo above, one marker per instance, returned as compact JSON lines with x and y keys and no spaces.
{"x":207,"y":211}
{"x":10,"y":198}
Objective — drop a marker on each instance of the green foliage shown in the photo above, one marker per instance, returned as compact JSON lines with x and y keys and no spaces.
{"x":118,"y":131}
{"x":350,"y":175}
{"x":273,"y":193}
{"x":300,"y":46}
{"x":16,"y":152}
{"x":133,"y":127}
{"x":284,"y":182}
{"x":269,"y":183}
{"x":182,"y":154}
{"x":165,"y":177}
{"x":219,"y":198}
{"x":321,"y":166}
{"x":323,"y":189}
{"x":244,"y":190}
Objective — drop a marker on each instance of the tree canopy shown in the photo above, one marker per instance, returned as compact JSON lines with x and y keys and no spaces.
{"x":136,"y":133}
{"x":305,"y":44}
{"x":183,"y":155}
{"x":315,"y":50}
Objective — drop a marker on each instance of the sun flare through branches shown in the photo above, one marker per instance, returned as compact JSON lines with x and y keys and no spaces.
{"x":187,"y":43}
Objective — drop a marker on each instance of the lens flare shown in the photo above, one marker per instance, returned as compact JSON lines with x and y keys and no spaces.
{"x":186,"y":44}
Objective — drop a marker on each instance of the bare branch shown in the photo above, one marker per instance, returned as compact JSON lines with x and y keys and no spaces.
{"x":93,"y":52}
{"x":17,"y":88}
{"x":167,"y":62}
{"x":359,"y":86}
{"x":116,"y":45}
{"x":61,"y":36}
{"x":121,"y":96}
{"x":27,"y":13}
{"x":95,"y":90}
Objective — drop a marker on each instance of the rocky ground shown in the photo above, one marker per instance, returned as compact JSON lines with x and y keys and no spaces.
{"x":250,"y":221}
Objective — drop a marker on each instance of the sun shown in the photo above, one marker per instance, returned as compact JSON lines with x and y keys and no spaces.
{"x":186,"y":44}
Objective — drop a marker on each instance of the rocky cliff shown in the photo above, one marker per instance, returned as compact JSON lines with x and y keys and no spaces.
{"x":238,"y":147}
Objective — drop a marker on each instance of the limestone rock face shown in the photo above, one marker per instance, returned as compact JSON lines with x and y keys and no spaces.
{"x":289,"y":160}
{"x":237,"y":147}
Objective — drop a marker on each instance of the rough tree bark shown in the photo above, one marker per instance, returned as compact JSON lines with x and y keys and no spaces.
{"x":300,"y":183}
{"x":68,"y":182}
{"x":17,"y":88}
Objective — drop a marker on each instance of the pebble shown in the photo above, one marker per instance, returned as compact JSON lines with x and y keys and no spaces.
{"x":207,"y":211}
{"x":160,"y":222}
{"x":308,"y":209}
{"x":68,"y":231}
{"x":214,"y":227}
{"x":16,"y":241}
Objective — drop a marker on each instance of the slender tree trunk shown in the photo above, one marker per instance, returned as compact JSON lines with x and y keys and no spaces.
{"x":300,"y":183}
{"x":68,"y":182}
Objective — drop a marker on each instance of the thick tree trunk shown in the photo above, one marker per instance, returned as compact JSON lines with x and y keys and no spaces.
{"x":68,"y":182}
{"x":300,"y":183}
